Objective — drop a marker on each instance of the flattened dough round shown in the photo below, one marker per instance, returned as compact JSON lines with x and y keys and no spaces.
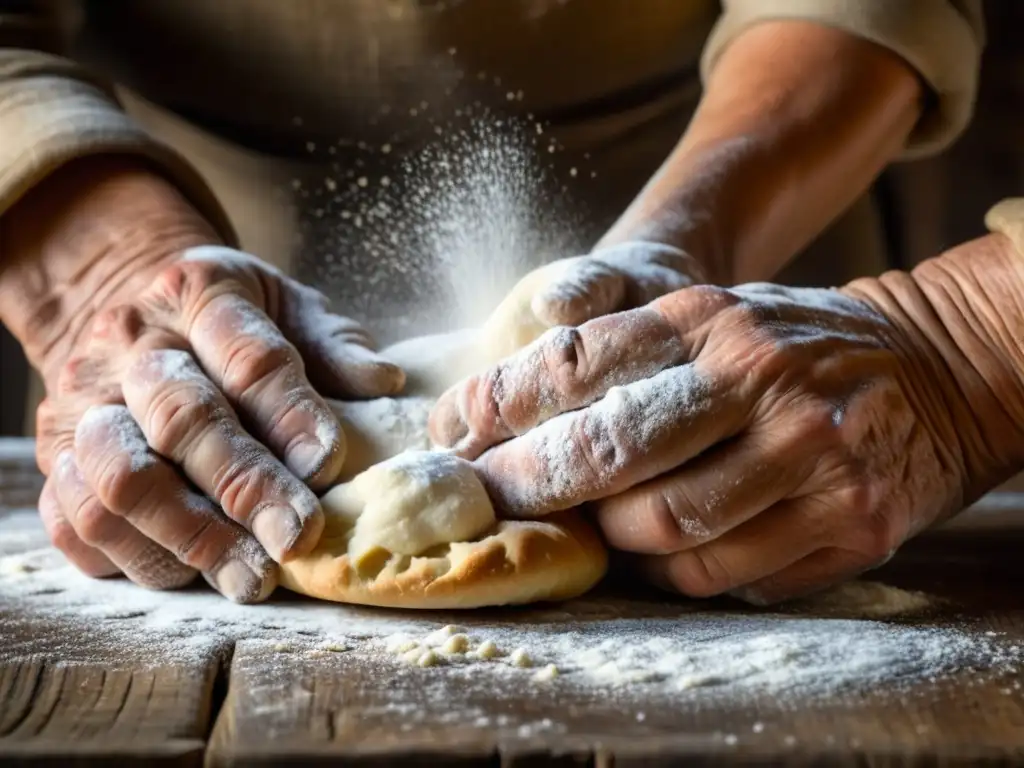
{"x":390,"y":540}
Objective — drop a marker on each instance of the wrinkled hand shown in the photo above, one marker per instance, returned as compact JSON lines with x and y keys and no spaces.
{"x":181,"y":433}
{"x":761,"y":441}
{"x":612,"y":279}
{"x":184,"y":428}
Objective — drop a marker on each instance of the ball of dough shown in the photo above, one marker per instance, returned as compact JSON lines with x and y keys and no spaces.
{"x":513,"y":324}
{"x":413,"y":502}
{"x":434,"y":363}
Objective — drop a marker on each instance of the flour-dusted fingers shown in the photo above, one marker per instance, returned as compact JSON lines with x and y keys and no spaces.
{"x":140,"y":559}
{"x":342,"y":361}
{"x":244,"y":353}
{"x":819,"y":570}
{"x":612,"y":279}
{"x":636,"y":432}
{"x":761,"y":547}
{"x":185,"y":418}
{"x":89,"y":560}
{"x":708,"y":496}
{"x":565,"y":369}
{"x":135,"y":484}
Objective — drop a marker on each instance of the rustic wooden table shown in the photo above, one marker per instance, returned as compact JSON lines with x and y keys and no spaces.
{"x":70,"y":700}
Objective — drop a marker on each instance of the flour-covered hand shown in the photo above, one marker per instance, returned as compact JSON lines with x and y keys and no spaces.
{"x":762,"y":441}
{"x":614,"y":278}
{"x":184,"y":424}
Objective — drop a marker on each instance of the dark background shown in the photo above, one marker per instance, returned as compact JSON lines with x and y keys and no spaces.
{"x":928,"y":205}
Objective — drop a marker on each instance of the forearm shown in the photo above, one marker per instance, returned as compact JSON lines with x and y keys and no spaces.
{"x":82,"y":233}
{"x":965,"y":311}
{"x":796,"y":122}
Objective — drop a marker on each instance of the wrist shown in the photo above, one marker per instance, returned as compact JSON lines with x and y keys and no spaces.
{"x":98,"y":227}
{"x":773,"y":155}
{"x":963,"y":312}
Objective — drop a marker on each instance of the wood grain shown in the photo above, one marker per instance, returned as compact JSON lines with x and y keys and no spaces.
{"x":69,"y":698}
{"x":61,"y":703}
{"x":354,"y":708}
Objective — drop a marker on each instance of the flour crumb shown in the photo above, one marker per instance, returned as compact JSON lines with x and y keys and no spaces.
{"x":865,"y":599}
{"x":486,"y":650}
{"x":412,"y":656}
{"x":428,"y":659}
{"x":546,"y":674}
{"x":456,"y":644}
{"x":520,"y":658}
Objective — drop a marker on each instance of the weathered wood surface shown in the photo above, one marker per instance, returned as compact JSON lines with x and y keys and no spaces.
{"x":352,"y":708}
{"x":296,"y":705}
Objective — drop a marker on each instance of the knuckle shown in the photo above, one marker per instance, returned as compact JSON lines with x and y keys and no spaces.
{"x":714,"y":298}
{"x":194,"y":551}
{"x":183,"y":281}
{"x":78,"y":374}
{"x":94,"y":524}
{"x":117,"y":483}
{"x":63,"y":536}
{"x":682,"y":515}
{"x":598,"y":451}
{"x":700,"y":573}
{"x":253,"y":360}
{"x":176,"y":416}
{"x":121,"y":324}
{"x":879,"y":534}
{"x":667,"y":522}
{"x":564,"y":359}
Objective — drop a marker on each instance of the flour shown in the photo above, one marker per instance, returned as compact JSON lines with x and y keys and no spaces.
{"x":641,"y":651}
{"x":111,"y":430}
{"x":435,"y":236}
{"x":637,"y":421}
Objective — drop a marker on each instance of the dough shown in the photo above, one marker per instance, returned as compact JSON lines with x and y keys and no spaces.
{"x":413,"y":502}
{"x":393,"y":539}
{"x":513,"y":324}
{"x":434,"y":363}
{"x":376,"y":430}
{"x":411,"y":527}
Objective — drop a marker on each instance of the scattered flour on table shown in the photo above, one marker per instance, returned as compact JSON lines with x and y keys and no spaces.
{"x":651,"y":651}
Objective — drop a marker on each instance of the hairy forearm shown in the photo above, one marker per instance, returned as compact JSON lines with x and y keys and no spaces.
{"x":796,"y":122}
{"x":966,"y":309}
{"x":93,"y":226}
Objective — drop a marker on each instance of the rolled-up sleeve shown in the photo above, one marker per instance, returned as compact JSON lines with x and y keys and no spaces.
{"x":1007,"y":218}
{"x":52,"y":111}
{"x":941,"y":39}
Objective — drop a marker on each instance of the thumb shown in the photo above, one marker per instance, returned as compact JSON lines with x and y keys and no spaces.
{"x":341,"y":361}
{"x":588,"y":289}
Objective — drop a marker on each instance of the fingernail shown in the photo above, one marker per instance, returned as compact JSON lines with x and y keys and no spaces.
{"x":307,"y":457}
{"x":236,"y":581}
{"x":390,"y":378}
{"x":277,"y":529}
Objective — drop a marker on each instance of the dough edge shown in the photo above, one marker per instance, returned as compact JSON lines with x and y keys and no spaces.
{"x":553,"y":559}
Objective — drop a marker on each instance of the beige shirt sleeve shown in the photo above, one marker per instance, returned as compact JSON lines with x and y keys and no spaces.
{"x":1007,"y":218}
{"x":941,"y":39}
{"x":52,"y":112}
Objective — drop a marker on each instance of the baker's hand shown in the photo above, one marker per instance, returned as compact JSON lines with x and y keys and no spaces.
{"x":761,"y":441}
{"x":184,"y":424}
{"x":614,"y":278}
